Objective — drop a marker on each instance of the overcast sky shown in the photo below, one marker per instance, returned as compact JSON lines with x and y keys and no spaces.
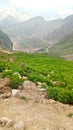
{"x":49,"y":9}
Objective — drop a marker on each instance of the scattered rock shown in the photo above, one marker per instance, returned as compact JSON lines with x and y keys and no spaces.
{"x":3,"y":121}
{"x":39,"y":83}
{"x":42,"y":90}
{"x":18,"y":74}
{"x":56,"y":83}
{"x":5,"y":89}
{"x":4,"y":82}
{"x":9,"y":123}
{"x":24,"y":77}
{"x":19,"y":125}
{"x":16,"y":93}
{"x":6,"y":122}
{"x":28,"y":85}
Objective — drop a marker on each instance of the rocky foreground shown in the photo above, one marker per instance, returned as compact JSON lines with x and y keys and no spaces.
{"x":28,"y":109}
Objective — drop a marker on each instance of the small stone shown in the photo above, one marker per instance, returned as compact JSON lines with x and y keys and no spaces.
{"x":5,"y":120}
{"x":19,"y":125}
{"x":16,"y":93}
{"x":9,"y":123}
{"x":28,"y":85}
{"x":42,"y":90}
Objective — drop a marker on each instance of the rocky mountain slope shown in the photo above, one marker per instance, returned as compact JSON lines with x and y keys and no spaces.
{"x":64,"y":31}
{"x":33,"y":28}
{"x":5,"y":41}
{"x":30,"y":35}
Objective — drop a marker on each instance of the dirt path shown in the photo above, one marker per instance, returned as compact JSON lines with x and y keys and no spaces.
{"x":37,"y":112}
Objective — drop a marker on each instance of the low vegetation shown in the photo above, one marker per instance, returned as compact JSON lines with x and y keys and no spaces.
{"x":55,"y":74}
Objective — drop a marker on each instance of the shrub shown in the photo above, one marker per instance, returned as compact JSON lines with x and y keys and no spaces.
{"x":3,"y":65}
{"x":6,"y":73}
{"x":60,"y":94}
{"x":16,"y":81}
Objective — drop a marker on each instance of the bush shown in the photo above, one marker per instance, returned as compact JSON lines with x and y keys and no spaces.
{"x":60,"y":94}
{"x":15,"y":81}
{"x":3,"y":65}
{"x":6,"y":73}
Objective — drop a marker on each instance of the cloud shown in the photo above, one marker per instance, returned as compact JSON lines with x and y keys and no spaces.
{"x":47,"y":8}
{"x":18,"y":14}
{"x":42,"y":4}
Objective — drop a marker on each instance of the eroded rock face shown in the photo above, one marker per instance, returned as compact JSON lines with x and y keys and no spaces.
{"x":5,"y":89}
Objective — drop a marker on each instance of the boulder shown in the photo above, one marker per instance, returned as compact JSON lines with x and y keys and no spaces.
{"x":9,"y":123}
{"x":28,"y":85}
{"x":6,"y":122}
{"x":3,"y":121}
{"x":16,"y":93}
{"x":19,"y":125}
{"x":5,"y":89}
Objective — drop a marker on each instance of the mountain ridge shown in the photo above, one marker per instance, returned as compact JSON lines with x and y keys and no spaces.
{"x":51,"y":32}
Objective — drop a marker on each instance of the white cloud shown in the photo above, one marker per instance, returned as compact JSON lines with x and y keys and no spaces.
{"x":46,"y":8}
{"x":42,"y":4}
{"x":6,"y":11}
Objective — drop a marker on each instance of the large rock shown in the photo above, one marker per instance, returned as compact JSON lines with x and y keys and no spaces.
{"x":5,"y":90}
{"x":28,"y":85}
{"x":6,"y":122}
{"x":19,"y":125}
{"x":9,"y":123}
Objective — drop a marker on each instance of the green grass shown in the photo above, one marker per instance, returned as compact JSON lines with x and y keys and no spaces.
{"x":56,"y":73}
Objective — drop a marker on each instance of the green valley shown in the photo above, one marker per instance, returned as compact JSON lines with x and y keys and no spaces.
{"x":56,"y":73}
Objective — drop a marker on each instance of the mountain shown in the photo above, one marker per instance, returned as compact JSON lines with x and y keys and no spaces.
{"x":36,"y":27}
{"x":37,"y":34}
{"x":62,"y":32}
{"x":63,"y":47}
{"x":5,"y":41}
{"x":8,"y":22}
{"x":18,"y":14}
{"x":63,"y":38}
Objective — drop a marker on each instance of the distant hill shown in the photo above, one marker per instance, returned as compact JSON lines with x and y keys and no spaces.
{"x":63,"y":31}
{"x":62,"y":48}
{"x":37,"y":34}
{"x":35,"y":27}
{"x":5,"y":41}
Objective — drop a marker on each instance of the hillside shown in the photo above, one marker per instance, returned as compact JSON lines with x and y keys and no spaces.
{"x":29,"y":44}
{"x":5,"y":42}
{"x":54,"y":74}
{"x":43,"y":110}
{"x":63,"y":48}
{"x":62,"y":32}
